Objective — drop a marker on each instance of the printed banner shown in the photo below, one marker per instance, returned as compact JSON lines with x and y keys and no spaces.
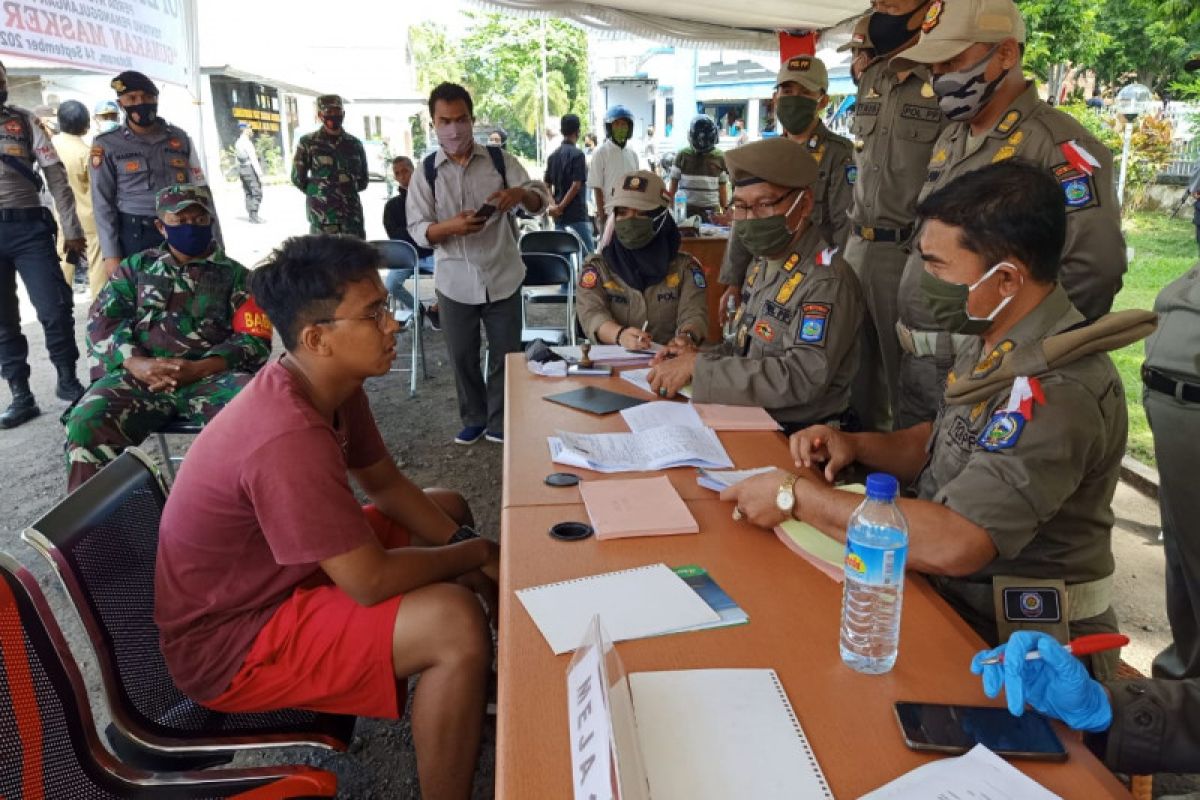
{"x":109,"y":36}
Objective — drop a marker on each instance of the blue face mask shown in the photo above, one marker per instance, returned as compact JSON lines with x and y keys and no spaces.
{"x":191,"y":240}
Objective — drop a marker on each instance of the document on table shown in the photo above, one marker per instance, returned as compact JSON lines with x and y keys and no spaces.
{"x":661,"y":412}
{"x":718,"y":480}
{"x":640,"y":379}
{"x":612,"y":354}
{"x":721,"y":417}
{"x":636,"y":507}
{"x":657,"y":448}
{"x":633,"y":604}
{"x":980,"y":774}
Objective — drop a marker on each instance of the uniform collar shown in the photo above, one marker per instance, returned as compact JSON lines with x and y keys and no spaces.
{"x":1016,"y":113}
{"x":806,"y":248}
{"x":1053,"y":315}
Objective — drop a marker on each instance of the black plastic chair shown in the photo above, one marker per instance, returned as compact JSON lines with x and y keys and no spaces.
{"x":548,"y":270}
{"x":399,"y":254}
{"x":102,"y":541}
{"x":176,"y":427}
{"x":561,"y":243}
{"x":49,"y":737}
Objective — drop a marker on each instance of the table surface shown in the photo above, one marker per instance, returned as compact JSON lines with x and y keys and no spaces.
{"x":794,"y":616}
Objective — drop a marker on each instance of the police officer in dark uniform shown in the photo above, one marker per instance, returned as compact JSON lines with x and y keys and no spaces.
{"x":130,"y":164}
{"x":27,"y":232}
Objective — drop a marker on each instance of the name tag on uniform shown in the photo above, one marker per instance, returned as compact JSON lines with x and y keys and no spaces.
{"x":1032,"y":604}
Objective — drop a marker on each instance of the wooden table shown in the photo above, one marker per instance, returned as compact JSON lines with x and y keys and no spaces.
{"x":794,"y":615}
{"x":710,"y":252}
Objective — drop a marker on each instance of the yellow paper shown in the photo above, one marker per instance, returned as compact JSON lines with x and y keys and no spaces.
{"x":822,"y":551}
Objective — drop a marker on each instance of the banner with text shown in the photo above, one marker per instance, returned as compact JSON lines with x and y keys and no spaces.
{"x":109,"y":36}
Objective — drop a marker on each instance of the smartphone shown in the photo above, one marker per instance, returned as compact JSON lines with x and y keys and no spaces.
{"x":956,"y":729}
{"x":485,"y":211}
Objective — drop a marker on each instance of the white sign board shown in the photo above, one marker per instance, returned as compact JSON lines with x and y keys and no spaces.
{"x":110,"y":36}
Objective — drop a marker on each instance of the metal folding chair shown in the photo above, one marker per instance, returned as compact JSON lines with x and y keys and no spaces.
{"x":563,"y":243}
{"x":551,"y":277}
{"x":176,"y":427}
{"x":402,"y":255}
{"x":50,"y":747}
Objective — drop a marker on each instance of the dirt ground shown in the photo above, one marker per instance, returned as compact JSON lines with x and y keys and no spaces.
{"x":380,"y":761}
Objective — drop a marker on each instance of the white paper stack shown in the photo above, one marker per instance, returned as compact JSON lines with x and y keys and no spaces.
{"x":658,"y":448}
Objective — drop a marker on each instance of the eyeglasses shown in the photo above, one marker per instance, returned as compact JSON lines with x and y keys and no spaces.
{"x":760,"y":210}
{"x":380,"y":315}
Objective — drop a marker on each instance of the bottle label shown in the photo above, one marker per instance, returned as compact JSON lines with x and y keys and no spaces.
{"x":879,"y":566}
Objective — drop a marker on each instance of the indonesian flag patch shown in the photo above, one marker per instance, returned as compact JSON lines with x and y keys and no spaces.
{"x":1078,"y":157}
{"x":250,"y":318}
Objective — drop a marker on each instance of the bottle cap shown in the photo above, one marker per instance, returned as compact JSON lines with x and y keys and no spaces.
{"x":881,"y":486}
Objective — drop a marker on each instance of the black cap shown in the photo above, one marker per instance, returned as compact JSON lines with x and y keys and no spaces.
{"x":131,"y":81}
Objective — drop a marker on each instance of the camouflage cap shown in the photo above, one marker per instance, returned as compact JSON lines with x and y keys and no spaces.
{"x":175,"y":198}
{"x":808,"y":71}
{"x":132,"y":81}
{"x":776,"y":160}
{"x":951,"y":26}
{"x":328,"y":101}
{"x":642,"y":190}
{"x":860,"y":37}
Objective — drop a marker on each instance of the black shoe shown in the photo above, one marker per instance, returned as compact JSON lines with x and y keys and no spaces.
{"x":68,"y":387}
{"x":23,"y":408}
{"x":435,"y":318}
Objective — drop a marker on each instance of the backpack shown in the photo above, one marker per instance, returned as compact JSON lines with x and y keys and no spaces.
{"x":495,"y":153}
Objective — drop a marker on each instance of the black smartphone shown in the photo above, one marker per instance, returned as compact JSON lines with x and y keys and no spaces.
{"x":485,"y":211}
{"x":956,"y":729}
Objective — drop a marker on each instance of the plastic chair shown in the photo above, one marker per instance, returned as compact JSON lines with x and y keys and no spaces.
{"x":548,"y":270}
{"x":398,"y":254}
{"x":177,"y":427}
{"x":102,"y":540}
{"x":50,"y":747}
{"x":562,"y":243}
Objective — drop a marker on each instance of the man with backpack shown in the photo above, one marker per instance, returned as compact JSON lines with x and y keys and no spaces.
{"x":459,"y":204}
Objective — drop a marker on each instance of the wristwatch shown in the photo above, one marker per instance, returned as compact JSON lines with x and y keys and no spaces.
{"x":463,"y":534}
{"x":690,"y":336}
{"x":785,"y":499}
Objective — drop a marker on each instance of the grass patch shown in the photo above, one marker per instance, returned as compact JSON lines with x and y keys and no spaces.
{"x":1164,"y":249}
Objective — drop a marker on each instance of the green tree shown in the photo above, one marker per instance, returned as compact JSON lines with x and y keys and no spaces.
{"x":1147,"y":40}
{"x":437,"y":56}
{"x":1061,"y":33}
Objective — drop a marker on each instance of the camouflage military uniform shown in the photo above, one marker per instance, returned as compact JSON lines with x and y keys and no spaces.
{"x":331,"y":171}
{"x":153,"y":307}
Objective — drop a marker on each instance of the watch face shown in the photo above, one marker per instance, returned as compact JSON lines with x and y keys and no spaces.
{"x":785,"y":499}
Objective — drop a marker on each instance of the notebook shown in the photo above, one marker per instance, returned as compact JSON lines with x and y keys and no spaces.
{"x":735,"y":418}
{"x":594,"y":400}
{"x":636,"y":507}
{"x":822,"y":551}
{"x":634,"y":603}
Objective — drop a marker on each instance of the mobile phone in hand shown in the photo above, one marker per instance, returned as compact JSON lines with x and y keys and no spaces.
{"x":485,"y":211}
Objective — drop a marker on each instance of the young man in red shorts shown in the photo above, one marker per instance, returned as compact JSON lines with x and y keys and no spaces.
{"x":274,"y":588}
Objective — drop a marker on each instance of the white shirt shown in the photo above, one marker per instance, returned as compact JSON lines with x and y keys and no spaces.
{"x":609,"y":164}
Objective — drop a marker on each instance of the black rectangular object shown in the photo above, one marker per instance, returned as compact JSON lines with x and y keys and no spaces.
{"x":594,"y":400}
{"x":956,"y":729}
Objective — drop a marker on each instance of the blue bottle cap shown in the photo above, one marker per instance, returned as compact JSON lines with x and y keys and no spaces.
{"x":881,"y":486}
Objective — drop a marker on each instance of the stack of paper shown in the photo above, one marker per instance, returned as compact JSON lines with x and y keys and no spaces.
{"x":658,"y":448}
{"x":636,"y":507}
{"x":735,"y":418}
{"x":822,"y":551}
{"x":611,"y":354}
{"x":980,"y":773}
{"x":638,"y":377}
{"x":661,"y":412}
{"x":720,"y":480}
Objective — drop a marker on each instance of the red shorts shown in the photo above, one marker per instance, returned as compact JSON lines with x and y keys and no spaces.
{"x":322,"y":651}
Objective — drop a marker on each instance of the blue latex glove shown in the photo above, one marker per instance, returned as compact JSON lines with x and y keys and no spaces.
{"x":1057,"y":685}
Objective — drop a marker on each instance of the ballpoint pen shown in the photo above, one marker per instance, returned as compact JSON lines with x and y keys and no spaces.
{"x":1083,"y":646}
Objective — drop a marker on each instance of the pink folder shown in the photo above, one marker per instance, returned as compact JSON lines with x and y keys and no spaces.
{"x":636,"y":507}
{"x":735,"y":418}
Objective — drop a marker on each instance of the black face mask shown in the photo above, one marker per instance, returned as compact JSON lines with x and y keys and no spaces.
{"x":647,"y":265}
{"x":889,"y":32}
{"x":144,"y":114}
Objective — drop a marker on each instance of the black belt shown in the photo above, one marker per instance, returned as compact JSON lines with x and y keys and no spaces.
{"x":146,"y":221}
{"x":25,"y":214}
{"x":1180,"y":390}
{"x":872,"y":234}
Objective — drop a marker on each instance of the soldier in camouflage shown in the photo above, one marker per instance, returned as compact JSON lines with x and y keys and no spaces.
{"x":174,"y":333}
{"x":330,"y":167}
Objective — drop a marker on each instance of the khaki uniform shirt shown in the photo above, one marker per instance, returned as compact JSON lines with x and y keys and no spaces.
{"x":676,"y":304}
{"x":73,"y":151}
{"x":1044,"y":496}
{"x":796,"y":349}
{"x":896,"y":121}
{"x":1094,"y":254}
{"x":1174,"y":348}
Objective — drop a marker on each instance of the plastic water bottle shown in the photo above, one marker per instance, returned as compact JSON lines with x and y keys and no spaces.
{"x":876,"y":549}
{"x":680,"y":207}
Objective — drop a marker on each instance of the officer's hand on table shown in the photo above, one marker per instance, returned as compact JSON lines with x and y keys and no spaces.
{"x":755,"y":497}
{"x":110,"y":266}
{"x":671,"y":375}
{"x":464,"y":224}
{"x":505,"y":199}
{"x":670,"y":351}
{"x":1057,"y":684}
{"x":681,"y":343}
{"x":820,"y":444}
{"x":160,"y":374}
{"x":723,"y":308}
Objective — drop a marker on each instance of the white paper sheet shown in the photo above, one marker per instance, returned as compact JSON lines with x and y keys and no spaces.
{"x":549,"y":369}
{"x":720,"y":479}
{"x":661,"y":412}
{"x":638,"y":377}
{"x":607,"y":353}
{"x":980,"y":774}
{"x":632,"y":604}
{"x":663,"y":447}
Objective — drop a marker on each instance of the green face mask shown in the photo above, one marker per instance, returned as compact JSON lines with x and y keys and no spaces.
{"x":796,"y":112}
{"x":620,"y":134}
{"x":948,"y":303}
{"x":635,"y":232}
{"x":766,"y":237}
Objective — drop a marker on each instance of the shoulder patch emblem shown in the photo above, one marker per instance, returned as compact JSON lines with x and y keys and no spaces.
{"x":673,"y":280}
{"x":1078,"y":157}
{"x":764,"y":331}
{"x":1009,"y":121}
{"x":97,"y":156}
{"x":175,"y":143}
{"x":1079,"y":192}
{"x":698,"y":278}
{"x":589,"y":278}
{"x":932,"y":17}
{"x":13,"y":126}
{"x":851,"y":174}
{"x":788,"y":288}
{"x":813,"y":321}
{"x":1002,"y":431}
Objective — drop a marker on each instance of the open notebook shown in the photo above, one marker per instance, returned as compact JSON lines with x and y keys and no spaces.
{"x":697,"y":734}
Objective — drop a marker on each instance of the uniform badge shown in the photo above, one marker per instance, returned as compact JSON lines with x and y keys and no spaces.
{"x":788,"y":288}
{"x":927,"y":90}
{"x":764,"y":331}
{"x":181,"y":177}
{"x":132,"y":166}
{"x":13,"y":126}
{"x":939,"y":158}
{"x":1002,"y":431}
{"x":781,"y":313}
{"x":872,"y":94}
{"x":14,"y":150}
{"x":673,"y":280}
{"x":1004,"y":153}
{"x":825,"y":257}
{"x":178,"y":163}
{"x":800,"y":64}
{"x":1079,"y":192}
{"x":753,"y":276}
{"x":992,"y":361}
{"x":859,"y":144}
{"x":851,"y":174}
{"x":698,"y":278}
{"x":977,"y":410}
{"x":1009,"y":121}
{"x":589,"y":278}
{"x":175,"y":143}
{"x":634,"y":183}
{"x":1016,"y":139}
{"x":932,"y":17}
{"x":613,"y":286}
{"x":813,"y":321}
{"x":791,"y":262}
{"x":250,"y":318}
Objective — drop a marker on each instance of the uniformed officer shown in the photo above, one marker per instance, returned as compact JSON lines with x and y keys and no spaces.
{"x":1015,"y":478}
{"x":896,"y":120}
{"x":974,"y":49}
{"x":796,"y":347}
{"x":639,"y":288}
{"x":175,"y":332}
{"x":27,"y":232}
{"x":129,"y":166}
{"x":699,"y":170}
{"x":249,"y":170}
{"x":800,"y":95}
{"x":108,"y":116}
{"x":330,"y":167}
